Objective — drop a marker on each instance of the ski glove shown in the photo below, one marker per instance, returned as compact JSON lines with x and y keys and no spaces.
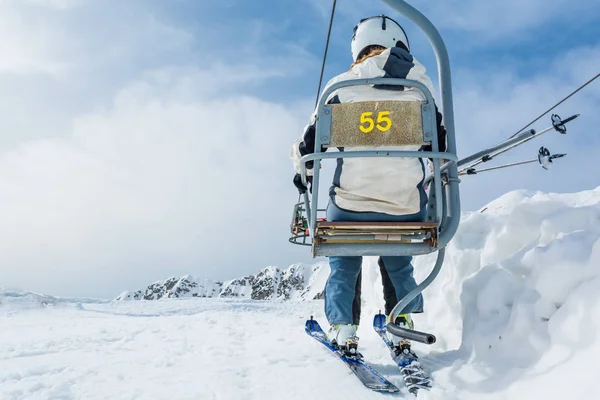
{"x":298,"y":183}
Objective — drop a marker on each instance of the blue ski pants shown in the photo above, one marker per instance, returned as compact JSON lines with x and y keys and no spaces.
{"x":343,"y":287}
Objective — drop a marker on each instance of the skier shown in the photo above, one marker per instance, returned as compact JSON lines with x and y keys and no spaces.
{"x":372,"y":189}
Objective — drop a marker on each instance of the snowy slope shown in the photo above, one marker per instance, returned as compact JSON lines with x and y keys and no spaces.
{"x":515,"y":309}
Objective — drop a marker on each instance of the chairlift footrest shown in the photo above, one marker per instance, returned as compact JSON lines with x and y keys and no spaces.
{"x":368,"y":234}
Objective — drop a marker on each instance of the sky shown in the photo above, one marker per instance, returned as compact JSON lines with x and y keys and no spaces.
{"x":145,"y":139}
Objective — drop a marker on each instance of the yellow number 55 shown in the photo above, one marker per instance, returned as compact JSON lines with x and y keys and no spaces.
{"x":384,"y":123}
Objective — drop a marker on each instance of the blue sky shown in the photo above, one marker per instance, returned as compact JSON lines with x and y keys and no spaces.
{"x":520,"y":44}
{"x":145,"y":139}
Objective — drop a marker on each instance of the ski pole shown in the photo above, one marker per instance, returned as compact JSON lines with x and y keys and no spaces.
{"x":473,"y":171}
{"x":487,"y":155}
{"x":544,"y":158}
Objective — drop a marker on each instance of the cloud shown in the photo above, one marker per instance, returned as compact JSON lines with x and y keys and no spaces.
{"x":69,"y":38}
{"x":154,"y":182}
{"x":53,"y":4}
{"x":146,"y":154}
{"x":66,"y":57}
{"x":24,"y":48}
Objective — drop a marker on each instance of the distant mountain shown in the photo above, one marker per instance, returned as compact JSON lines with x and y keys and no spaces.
{"x":25,"y":299}
{"x":298,"y":282}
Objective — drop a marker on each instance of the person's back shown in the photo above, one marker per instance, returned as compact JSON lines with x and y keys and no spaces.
{"x":392,"y":186}
{"x":386,"y":185}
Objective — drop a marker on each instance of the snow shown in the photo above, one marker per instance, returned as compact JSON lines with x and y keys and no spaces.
{"x":515,"y":310}
{"x":515,"y":305}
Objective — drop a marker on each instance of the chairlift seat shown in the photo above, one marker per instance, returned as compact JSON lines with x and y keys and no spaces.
{"x":375,"y":129}
{"x":376,"y":125}
{"x":330,"y":235}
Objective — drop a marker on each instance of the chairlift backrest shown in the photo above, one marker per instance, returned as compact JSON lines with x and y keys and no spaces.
{"x":378,"y":124}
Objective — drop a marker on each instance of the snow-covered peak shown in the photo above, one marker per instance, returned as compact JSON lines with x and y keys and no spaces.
{"x":299,"y":281}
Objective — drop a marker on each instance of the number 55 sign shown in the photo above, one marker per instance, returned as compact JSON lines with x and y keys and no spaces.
{"x":375,"y":124}
{"x":384,"y":123}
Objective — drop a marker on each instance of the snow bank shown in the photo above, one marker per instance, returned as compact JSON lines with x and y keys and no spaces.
{"x":518,"y":298}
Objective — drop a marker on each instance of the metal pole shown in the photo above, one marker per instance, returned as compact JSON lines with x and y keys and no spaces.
{"x":481,"y":154}
{"x":513,"y":145}
{"x":502,"y":147}
{"x":493,"y":151}
{"x":399,"y":308}
{"x":421,"y":337}
{"x":308,"y":213}
{"x":477,"y":172}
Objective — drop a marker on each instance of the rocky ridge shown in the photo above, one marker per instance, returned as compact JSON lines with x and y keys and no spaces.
{"x":298,"y":282}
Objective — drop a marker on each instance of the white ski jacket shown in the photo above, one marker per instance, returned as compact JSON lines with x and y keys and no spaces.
{"x":385,"y":185}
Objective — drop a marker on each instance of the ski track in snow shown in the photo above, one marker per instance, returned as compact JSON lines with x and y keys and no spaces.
{"x":516,"y":311}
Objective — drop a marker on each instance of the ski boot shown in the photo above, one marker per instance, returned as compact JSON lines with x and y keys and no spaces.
{"x":344,"y":337}
{"x":414,"y":376}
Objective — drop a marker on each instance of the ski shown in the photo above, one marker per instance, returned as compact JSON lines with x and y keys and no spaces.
{"x":413,"y":373}
{"x":367,"y":375}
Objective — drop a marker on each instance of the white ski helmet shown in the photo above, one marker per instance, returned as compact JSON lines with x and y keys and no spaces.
{"x":381,"y":31}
